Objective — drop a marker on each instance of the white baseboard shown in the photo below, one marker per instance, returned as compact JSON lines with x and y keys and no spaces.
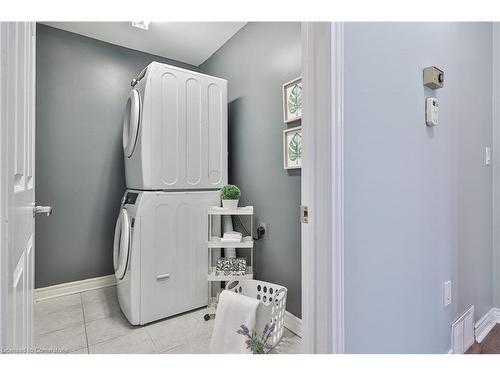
{"x":293,"y":323}
{"x":486,"y":323}
{"x":74,"y":287}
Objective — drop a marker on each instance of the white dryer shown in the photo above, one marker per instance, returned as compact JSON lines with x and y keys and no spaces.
{"x":160,"y":256}
{"x":175,"y":130}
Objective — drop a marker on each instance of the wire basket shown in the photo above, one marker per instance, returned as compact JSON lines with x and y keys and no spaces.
{"x":272,"y":309}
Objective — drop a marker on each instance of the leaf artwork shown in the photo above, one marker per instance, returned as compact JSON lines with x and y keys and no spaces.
{"x":295,"y":147}
{"x":295,"y":99}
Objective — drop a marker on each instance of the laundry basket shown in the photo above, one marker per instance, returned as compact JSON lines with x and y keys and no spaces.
{"x":272,"y":310}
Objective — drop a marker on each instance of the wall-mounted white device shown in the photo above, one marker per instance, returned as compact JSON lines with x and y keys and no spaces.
{"x":431,"y":111}
{"x":433,"y":77}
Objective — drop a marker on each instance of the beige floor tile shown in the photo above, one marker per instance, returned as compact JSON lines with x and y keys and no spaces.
{"x":180,"y":330}
{"x":80,"y":351}
{"x":109,"y":328}
{"x":67,"y":339}
{"x":136,"y":342}
{"x":100,"y":303}
{"x":56,"y":304}
{"x":51,"y":319}
{"x":100,"y":294}
{"x":287,"y":333}
{"x":196,"y":346}
{"x":59,"y":323}
{"x":288,"y":345}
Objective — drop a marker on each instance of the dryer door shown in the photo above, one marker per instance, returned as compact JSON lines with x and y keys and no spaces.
{"x":122,"y":244}
{"x":131,"y":122}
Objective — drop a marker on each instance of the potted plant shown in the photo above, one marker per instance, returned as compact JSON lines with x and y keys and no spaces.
{"x":230,"y":195}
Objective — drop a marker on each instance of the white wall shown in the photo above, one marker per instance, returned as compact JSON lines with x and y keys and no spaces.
{"x":417,"y":200}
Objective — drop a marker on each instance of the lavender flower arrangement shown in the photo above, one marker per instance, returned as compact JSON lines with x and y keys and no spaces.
{"x":257,"y":343}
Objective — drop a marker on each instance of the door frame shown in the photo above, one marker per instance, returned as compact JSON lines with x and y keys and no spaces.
{"x":496,"y":161}
{"x":322,"y":187}
{"x":3,"y":180}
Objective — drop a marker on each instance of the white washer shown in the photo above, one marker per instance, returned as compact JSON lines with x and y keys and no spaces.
{"x":175,"y":130}
{"x":160,"y":253}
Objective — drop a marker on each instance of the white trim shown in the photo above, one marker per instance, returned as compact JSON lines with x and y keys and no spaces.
{"x":461,"y":337}
{"x":486,"y":324}
{"x":74,"y":287}
{"x":3,"y":181}
{"x":337,"y":63}
{"x":292,"y":323}
{"x":322,"y":187}
{"x":496,"y":162}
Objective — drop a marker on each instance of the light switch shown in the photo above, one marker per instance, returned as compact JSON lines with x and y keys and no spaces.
{"x":431,"y":111}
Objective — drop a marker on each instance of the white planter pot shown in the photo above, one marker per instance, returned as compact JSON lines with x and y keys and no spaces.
{"x":232,"y":204}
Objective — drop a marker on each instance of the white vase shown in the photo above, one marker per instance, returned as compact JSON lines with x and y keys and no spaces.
{"x":231,"y":204}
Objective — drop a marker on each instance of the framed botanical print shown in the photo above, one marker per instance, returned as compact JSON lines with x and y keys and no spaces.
{"x":292,"y":148}
{"x":292,"y":100}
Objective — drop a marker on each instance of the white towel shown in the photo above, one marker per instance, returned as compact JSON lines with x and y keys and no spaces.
{"x":224,"y":239}
{"x":232,"y":235}
{"x":233,"y":310}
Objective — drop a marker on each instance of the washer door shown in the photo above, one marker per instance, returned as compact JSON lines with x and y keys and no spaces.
{"x":122,"y":244}
{"x":131,"y":122}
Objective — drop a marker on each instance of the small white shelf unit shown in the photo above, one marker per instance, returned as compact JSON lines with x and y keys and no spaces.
{"x":214,"y":242}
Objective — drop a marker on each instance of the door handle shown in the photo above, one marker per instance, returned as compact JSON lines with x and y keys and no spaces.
{"x":163,"y":277}
{"x":42,"y":210}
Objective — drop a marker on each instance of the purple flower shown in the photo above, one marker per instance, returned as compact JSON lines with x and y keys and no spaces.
{"x":257,"y":343}
{"x":244,"y":329}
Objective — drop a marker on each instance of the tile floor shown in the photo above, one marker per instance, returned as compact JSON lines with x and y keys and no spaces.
{"x":92,"y":322}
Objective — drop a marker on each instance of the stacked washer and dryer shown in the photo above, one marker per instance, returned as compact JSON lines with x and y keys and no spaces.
{"x":175,"y":148}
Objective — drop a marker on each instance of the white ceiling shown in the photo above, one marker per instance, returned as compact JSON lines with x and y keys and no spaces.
{"x":189,"y":42}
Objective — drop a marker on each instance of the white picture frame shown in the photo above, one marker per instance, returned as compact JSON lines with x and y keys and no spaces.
{"x":292,"y":148}
{"x":292,"y":100}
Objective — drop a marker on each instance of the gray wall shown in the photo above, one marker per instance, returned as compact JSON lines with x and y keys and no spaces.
{"x":82,"y":86}
{"x":417,"y":200}
{"x":256,"y":62}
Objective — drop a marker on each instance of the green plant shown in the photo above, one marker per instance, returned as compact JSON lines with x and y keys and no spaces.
{"x":230,"y":192}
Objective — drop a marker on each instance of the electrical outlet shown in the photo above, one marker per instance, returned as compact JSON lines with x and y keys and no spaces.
{"x":266,"y":228}
{"x":447,"y":293}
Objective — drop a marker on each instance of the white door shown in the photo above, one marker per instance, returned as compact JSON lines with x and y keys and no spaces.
{"x":17,"y":120}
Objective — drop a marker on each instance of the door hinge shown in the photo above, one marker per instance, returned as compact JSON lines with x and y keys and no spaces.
{"x":304,"y":214}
